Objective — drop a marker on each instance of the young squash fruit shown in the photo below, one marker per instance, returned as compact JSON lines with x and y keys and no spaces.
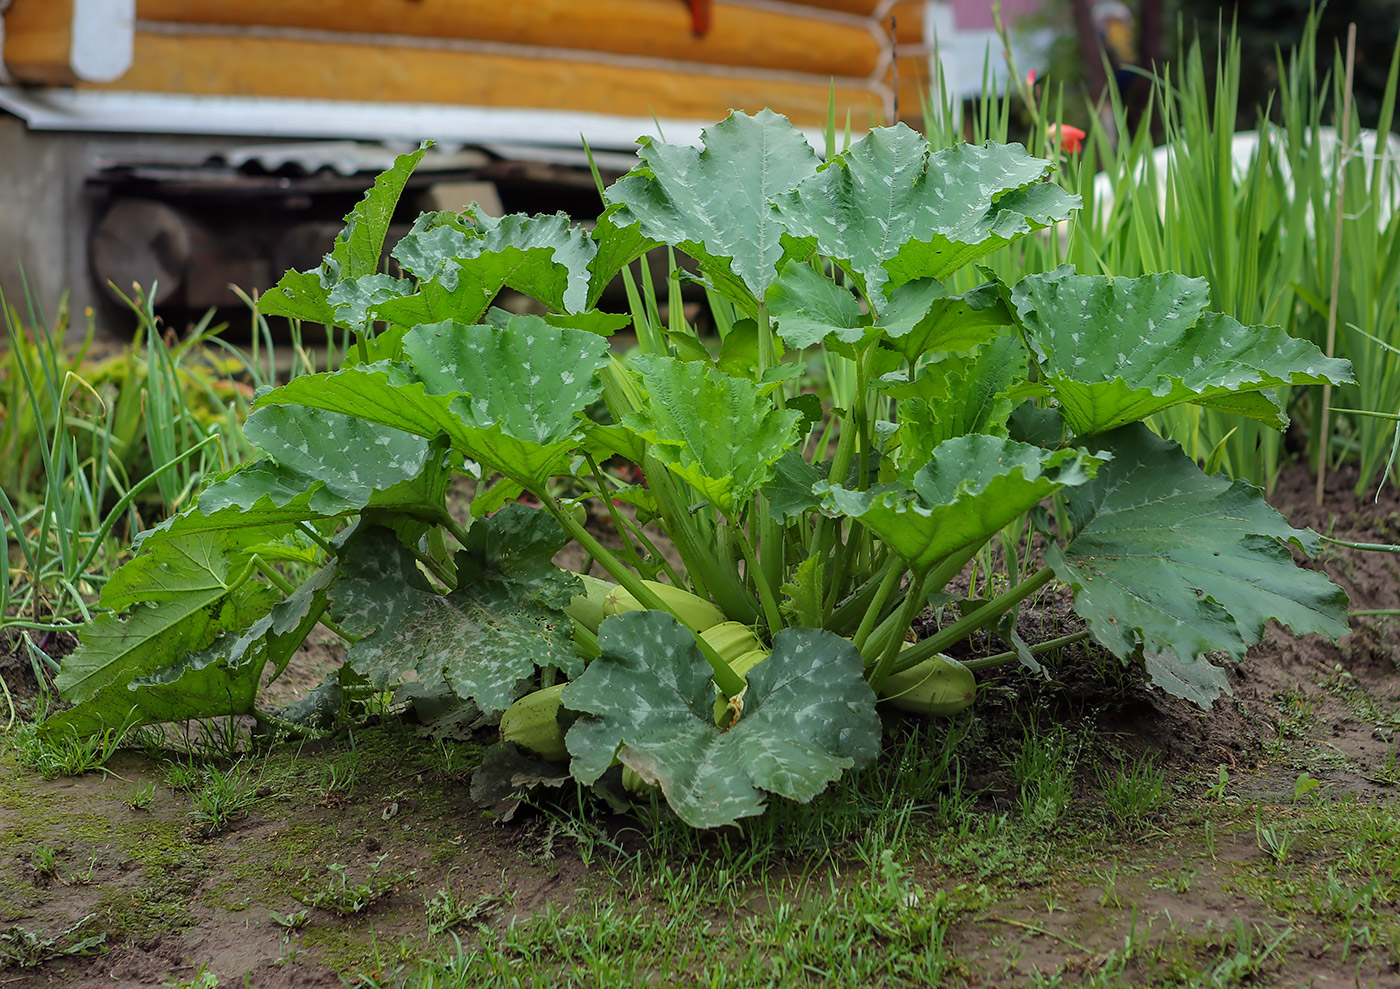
{"x":692,"y":610}
{"x":731,"y":640}
{"x":740,"y":665}
{"x":587,"y":608}
{"x":939,"y":687}
{"x":533,"y":722}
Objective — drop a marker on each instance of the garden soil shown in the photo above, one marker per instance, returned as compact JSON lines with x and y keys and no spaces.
{"x":124,"y":855}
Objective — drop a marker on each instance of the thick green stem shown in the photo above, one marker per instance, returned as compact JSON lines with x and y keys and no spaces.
{"x":772,"y":552}
{"x":769,"y":533}
{"x":840,"y":564}
{"x":721,"y":580}
{"x":634,"y":531}
{"x":913,"y":604}
{"x":845,"y":617}
{"x":771,"y":614}
{"x":872,"y":613}
{"x":951,"y":566}
{"x":1002,"y":658}
{"x":453,"y":528}
{"x":274,"y":578}
{"x":316,"y":538}
{"x":435,"y":567}
{"x":726,"y":679}
{"x":1369,"y":547}
{"x":606,"y":499}
{"x":937,"y":578}
{"x":983,"y":616}
{"x":847,"y":444}
{"x":285,"y":586}
{"x":767,"y":349}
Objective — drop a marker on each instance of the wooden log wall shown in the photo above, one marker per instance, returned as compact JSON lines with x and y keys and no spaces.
{"x":61,"y":42}
{"x":634,"y":58}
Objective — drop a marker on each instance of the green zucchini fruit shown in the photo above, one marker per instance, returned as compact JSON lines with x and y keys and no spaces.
{"x":740,"y":665}
{"x":693,"y":611}
{"x":586,"y":608}
{"x":533,"y":723}
{"x":633,"y":783}
{"x":939,"y":687}
{"x":731,"y":640}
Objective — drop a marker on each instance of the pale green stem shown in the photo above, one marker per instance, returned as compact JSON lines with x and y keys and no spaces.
{"x":770,"y":535}
{"x":846,"y":446}
{"x":718,"y":577}
{"x":725,"y":678}
{"x":913,"y":604}
{"x":434,"y":566}
{"x":843,"y":616}
{"x":983,"y":616}
{"x":1002,"y":658}
{"x":316,"y":538}
{"x":771,"y":612}
{"x":1369,"y":547}
{"x":622,"y":530}
{"x":872,"y":614}
{"x":630,"y":529}
{"x":458,"y":533}
{"x":285,"y":586}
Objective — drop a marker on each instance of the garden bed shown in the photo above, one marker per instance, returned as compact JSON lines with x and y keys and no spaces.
{"x":1269,"y":855}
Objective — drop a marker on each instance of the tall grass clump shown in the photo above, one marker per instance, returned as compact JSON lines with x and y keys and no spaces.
{"x":94,"y":450}
{"x":1250,"y":211}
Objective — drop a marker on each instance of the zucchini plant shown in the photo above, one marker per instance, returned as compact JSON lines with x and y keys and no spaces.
{"x":823,"y":528}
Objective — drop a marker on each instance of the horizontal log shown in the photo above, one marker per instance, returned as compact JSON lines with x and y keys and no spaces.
{"x":864,"y":8}
{"x":914,"y":80}
{"x":38,"y":36}
{"x":216,"y":65}
{"x":739,"y":35}
{"x":58,"y":42}
{"x":909,"y":21}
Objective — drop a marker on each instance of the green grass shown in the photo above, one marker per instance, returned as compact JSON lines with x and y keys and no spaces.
{"x":880,"y":927}
{"x":1134,"y":792}
{"x":53,"y":754}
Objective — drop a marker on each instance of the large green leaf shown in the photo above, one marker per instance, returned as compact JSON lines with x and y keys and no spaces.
{"x":169,"y":600}
{"x":199,"y":567}
{"x":220,"y":679}
{"x":181,"y":591}
{"x":1180,"y":564}
{"x":197,"y":684}
{"x":808,"y":308}
{"x":922,"y":317}
{"x":473,"y":256}
{"x":970,"y":489}
{"x":808,"y":716}
{"x":956,"y":395}
{"x":619,"y":244}
{"x":507,"y":397}
{"x":714,"y":204}
{"x":718,"y":432}
{"x":789,"y":493}
{"x":384,"y":392}
{"x":315,"y":444}
{"x":890,"y":213}
{"x":355,"y":297}
{"x":529,"y":377}
{"x":312,"y":477}
{"x":1115,"y":350}
{"x":306,"y":294}
{"x":484,"y":639}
